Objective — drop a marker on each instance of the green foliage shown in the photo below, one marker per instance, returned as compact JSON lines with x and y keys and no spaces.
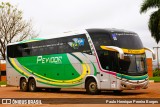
{"x":156,"y":79}
{"x":12,"y":26}
{"x":154,"y":21}
{"x":156,"y":72}
{"x":154,"y":25}
{"x":8,"y":4}
{"x":148,"y":4}
{"x":1,"y":6}
{"x":3,"y":82}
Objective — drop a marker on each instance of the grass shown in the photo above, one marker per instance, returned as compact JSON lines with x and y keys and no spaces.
{"x":156,"y":79}
{"x":3,"y":82}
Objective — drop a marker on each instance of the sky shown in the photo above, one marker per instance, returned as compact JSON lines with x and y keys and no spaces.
{"x":56,"y":16}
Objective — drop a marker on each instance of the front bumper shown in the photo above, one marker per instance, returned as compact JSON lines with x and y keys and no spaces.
{"x":132,"y":85}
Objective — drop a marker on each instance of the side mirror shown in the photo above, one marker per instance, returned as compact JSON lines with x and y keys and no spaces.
{"x":114,"y":48}
{"x":153,"y":53}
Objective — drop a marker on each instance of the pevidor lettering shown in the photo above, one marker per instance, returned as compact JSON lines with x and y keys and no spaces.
{"x":55,"y":60}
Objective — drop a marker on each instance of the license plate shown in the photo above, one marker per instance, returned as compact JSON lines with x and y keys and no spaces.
{"x":137,"y":87}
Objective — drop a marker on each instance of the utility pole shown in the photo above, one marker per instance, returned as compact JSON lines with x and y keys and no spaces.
{"x":157,"y":56}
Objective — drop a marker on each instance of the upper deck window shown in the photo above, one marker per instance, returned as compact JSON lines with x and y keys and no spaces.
{"x":101,"y":39}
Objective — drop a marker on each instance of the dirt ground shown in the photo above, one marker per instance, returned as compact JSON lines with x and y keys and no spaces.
{"x":13,"y":92}
{"x":153,"y":91}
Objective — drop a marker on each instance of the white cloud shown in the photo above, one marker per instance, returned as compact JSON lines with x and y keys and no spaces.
{"x":52,"y":16}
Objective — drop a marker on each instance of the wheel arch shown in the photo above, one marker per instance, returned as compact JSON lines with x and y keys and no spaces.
{"x":27,"y":79}
{"x":31,"y":87}
{"x":32,"y":77}
{"x":21,"y":78}
{"x":92,"y":77}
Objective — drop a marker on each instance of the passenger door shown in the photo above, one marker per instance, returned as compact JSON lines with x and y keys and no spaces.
{"x":108,"y":63}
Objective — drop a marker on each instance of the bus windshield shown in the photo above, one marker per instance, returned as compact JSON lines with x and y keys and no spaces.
{"x":133,"y":64}
{"x":127,"y":41}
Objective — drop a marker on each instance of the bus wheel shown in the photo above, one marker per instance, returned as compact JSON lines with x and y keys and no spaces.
{"x":23,"y":85}
{"x":91,"y":87}
{"x":117,"y":91}
{"x":32,"y":85}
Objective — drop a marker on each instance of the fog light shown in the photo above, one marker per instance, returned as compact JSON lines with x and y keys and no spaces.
{"x":123,"y":85}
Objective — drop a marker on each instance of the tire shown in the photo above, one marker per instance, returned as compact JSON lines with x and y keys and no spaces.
{"x":91,"y":87}
{"x":23,"y":85}
{"x":32,"y":85}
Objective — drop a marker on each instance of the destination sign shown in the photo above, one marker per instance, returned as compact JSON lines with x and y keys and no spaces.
{"x":132,"y":51}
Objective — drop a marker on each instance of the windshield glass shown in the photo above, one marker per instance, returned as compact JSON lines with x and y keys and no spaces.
{"x":127,"y":40}
{"x":133,"y":64}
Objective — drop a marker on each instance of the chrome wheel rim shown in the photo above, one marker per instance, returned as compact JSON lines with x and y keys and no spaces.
{"x":23,"y":85}
{"x":32,"y":86}
{"x":92,"y":86}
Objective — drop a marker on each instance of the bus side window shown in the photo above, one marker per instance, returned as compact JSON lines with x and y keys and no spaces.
{"x":26,"y":51}
{"x":52,"y":46}
{"x":18,"y":50}
{"x":10,"y":51}
{"x":62,"y":45}
{"x":43,"y":47}
{"x":76,"y":43}
{"x":101,"y":39}
{"x":108,"y":60}
{"x":79,"y":43}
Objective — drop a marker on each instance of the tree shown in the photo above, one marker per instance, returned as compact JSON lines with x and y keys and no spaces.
{"x":13,"y":27}
{"x":154,"y":21}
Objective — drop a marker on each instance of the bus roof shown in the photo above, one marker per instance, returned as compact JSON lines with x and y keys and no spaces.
{"x":110,"y":30}
{"x":58,"y":35}
{"x":74,"y":32}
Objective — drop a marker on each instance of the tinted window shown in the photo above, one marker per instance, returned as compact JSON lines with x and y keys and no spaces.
{"x":77,"y":43}
{"x":3,"y":73}
{"x":127,"y":40}
{"x":101,"y":39}
{"x":63,"y":46}
{"x":33,"y":48}
{"x":133,"y":64}
{"x":52,"y":46}
{"x":10,"y":51}
{"x":108,"y":60}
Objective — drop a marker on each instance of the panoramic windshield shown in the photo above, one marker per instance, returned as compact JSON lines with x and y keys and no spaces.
{"x":133,"y":64}
{"x":127,"y":40}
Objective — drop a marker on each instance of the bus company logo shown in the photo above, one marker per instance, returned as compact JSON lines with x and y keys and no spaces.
{"x":114,"y":36}
{"x":21,"y":101}
{"x":55,"y":60}
{"x":77,"y":43}
{"x":6,"y":101}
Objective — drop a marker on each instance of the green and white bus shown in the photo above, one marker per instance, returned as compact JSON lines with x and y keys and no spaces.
{"x":94,"y":59}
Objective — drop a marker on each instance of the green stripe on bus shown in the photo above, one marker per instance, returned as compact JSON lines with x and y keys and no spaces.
{"x":132,"y":77}
{"x":76,"y":58}
{"x":61,"y":85}
{"x":15,"y":68}
{"x":50,"y":68}
{"x":95,"y":70}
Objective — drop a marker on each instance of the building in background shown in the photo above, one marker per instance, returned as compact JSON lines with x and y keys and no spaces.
{"x":3,"y":70}
{"x":150,"y":67}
